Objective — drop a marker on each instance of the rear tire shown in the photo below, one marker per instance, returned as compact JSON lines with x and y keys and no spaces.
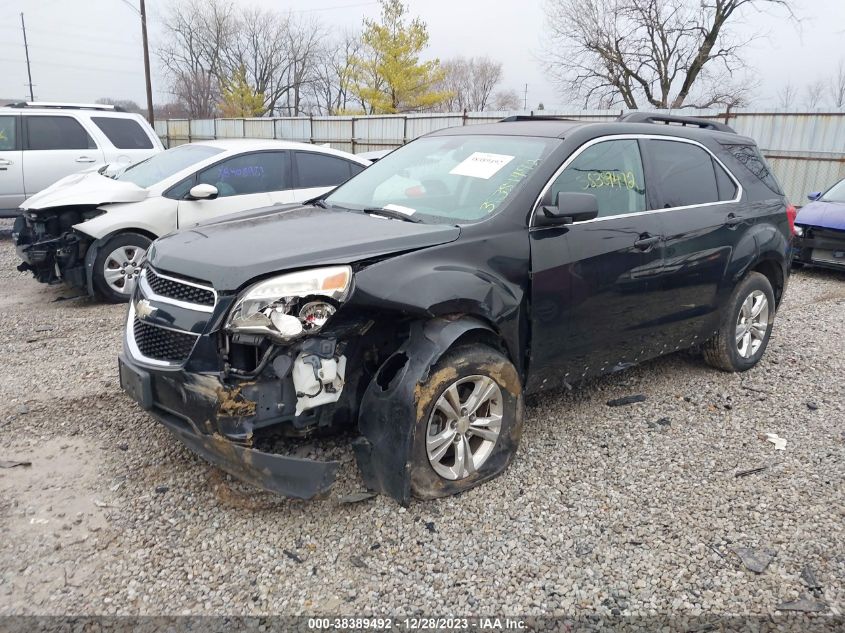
{"x":745,"y":326}
{"x":453,"y":453}
{"x":117,"y":266}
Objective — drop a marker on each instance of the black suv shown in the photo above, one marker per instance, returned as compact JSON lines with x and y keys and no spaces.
{"x":416,"y":304}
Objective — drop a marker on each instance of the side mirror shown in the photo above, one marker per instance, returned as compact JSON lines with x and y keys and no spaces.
{"x":814,"y":196}
{"x":569,"y":207}
{"x":202,"y":192}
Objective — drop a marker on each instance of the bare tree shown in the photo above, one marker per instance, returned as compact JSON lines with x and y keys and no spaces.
{"x":837,"y":87}
{"x":506,"y":100}
{"x":814,"y":94}
{"x":124,"y":104}
{"x":786,"y":96}
{"x":659,"y":53}
{"x":197,"y":32}
{"x":331,"y":74}
{"x":470,"y":82}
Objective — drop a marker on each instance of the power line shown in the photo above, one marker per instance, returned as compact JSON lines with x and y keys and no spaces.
{"x":73,"y":66}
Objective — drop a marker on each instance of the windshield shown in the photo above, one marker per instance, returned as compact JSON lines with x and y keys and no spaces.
{"x":446,"y":179}
{"x":836,"y":193}
{"x":165,"y":164}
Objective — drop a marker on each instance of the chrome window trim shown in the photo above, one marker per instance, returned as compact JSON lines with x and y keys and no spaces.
{"x":133,"y":346}
{"x":151,"y":294}
{"x":628,"y":137}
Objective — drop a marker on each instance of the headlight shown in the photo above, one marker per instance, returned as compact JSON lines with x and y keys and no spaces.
{"x":799,"y":231}
{"x":277,"y":307}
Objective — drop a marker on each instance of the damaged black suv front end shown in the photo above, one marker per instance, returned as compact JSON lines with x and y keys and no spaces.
{"x":217,"y":369}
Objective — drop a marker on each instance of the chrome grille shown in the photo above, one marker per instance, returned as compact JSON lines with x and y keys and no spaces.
{"x":162,"y":344}
{"x":178,"y":290}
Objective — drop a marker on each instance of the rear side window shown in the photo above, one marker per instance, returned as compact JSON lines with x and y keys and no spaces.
{"x":258,"y":172}
{"x":321,"y":170}
{"x":123,"y":133}
{"x":612,"y":171}
{"x":683,"y":173}
{"x":8,"y":133}
{"x":753,"y":160}
{"x":56,"y":132}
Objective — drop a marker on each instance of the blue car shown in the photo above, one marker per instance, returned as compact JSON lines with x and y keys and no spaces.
{"x":820,"y":230}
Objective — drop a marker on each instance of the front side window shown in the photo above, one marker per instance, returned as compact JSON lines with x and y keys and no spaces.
{"x":447,"y":179}
{"x":258,"y":172}
{"x":684,"y":173}
{"x":56,"y":132}
{"x":123,"y":133}
{"x":610,"y":170}
{"x":8,"y":133}
{"x":166,"y":164}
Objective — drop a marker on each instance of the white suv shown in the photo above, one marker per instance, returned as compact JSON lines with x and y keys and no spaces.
{"x":43,"y":142}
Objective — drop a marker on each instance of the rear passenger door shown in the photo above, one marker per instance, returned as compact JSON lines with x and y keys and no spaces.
{"x":316,"y":173}
{"x":55,"y":146}
{"x":592,"y":282}
{"x":702,"y":225}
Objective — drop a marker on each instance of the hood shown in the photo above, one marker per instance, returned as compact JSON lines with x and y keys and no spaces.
{"x":826,"y":215}
{"x":232,"y":252}
{"x":85,"y":188}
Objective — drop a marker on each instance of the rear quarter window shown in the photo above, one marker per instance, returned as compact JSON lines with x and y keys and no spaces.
{"x":749,"y":156}
{"x":123,"y":133}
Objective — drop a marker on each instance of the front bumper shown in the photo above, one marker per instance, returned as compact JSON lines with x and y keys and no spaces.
{"x":820,"y":247}
{"x":215,"y":421}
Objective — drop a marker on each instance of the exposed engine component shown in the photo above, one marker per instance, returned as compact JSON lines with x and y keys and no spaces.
{"x":317,"y":380}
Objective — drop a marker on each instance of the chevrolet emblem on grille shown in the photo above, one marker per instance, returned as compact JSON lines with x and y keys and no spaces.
{"x":144,"y":309}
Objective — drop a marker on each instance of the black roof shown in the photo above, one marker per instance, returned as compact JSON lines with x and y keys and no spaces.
{"x":631,"y":123}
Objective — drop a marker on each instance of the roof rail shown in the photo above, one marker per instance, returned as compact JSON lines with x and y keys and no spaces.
{"x":66,"y":106}
{"x":673,"y":119}
{"x":535,"y":117}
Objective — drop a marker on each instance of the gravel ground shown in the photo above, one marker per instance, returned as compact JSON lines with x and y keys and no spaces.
{"x":633,"y":510}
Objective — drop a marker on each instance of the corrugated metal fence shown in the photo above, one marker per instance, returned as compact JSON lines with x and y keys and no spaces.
{"x":805,"y":149}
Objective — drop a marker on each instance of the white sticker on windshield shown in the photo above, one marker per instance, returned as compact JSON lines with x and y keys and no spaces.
{"x":481,"y":165}
{"x":400,"y":209}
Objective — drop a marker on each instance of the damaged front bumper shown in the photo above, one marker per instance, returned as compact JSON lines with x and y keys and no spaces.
{"x":51,"y":258}
{"x":819,"y":246}
{"x":216,"y":420}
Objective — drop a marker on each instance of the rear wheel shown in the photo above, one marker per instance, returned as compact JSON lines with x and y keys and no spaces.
{"x":745,"y":326}
{"x":117,"y":266}
{"x":471,"y":422}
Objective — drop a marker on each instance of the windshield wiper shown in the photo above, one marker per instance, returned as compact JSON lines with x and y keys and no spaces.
{"x":390,"y":213}
{"x":320,"y":203}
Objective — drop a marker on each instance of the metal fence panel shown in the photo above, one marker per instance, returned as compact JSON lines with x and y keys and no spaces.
{"x":230,"y":128}
{"x":294,"y":129}
{"x":259,"y":128}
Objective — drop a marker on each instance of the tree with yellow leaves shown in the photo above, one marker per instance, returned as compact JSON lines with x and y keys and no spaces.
{"x":238,"y":99}
{"x":388,"y":76}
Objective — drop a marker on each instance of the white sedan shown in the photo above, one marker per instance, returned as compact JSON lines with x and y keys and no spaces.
{"x":92,"y":229}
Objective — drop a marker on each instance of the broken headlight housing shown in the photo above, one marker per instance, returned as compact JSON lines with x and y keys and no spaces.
{"x":288,"y":306}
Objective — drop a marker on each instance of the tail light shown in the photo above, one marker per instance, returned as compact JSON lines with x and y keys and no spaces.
{"x":790,"y":215}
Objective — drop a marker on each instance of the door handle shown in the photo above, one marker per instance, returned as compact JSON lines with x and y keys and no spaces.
{"x":732,"y":220}
{"x":4,"y":162}
{"x":85,"y":159}
{"x":646,"y":241}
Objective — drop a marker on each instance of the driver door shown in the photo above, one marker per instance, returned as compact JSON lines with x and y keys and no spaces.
{"x":244,"y":182}
{"x":593,"y":283}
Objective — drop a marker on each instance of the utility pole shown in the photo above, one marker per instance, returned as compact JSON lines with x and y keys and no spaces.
{"x":525,"y":99}
{"x":26,"y":50}
{"x":146,"y":62}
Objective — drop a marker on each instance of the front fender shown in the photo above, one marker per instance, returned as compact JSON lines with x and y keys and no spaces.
{"x":388,"y":415}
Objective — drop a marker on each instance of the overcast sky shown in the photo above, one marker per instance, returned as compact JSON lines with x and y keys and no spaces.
{"x":85,"y":49}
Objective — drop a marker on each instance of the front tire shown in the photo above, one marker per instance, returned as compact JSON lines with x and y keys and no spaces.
{"x":117,"y":266}
{"x":470,"y":424}
{"x":745,"y":326}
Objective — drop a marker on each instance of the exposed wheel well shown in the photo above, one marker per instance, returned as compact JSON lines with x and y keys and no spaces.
{"x":483,"y":337}
{"x":774,"y":273}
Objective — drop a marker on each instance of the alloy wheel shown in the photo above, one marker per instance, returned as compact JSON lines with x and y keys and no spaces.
{"x":464,"y":427}
{"x":122,"y":267}
{"x":752,"y":322}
